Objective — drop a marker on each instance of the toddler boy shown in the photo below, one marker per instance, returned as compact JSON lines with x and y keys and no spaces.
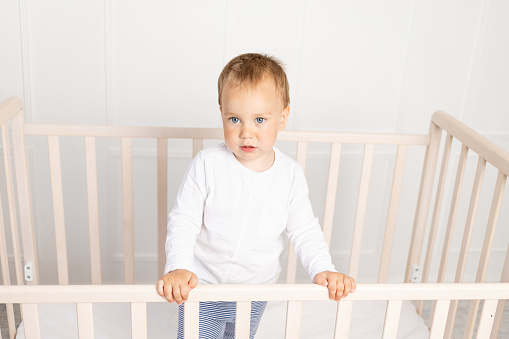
{"x":238,"y":198}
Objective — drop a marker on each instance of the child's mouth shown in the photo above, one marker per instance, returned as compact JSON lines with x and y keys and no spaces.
{"x":248,"y":148}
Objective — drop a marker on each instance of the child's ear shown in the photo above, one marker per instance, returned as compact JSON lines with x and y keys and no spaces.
{"x":284,"y":118}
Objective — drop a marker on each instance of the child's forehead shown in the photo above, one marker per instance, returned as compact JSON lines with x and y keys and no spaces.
{"x":249,"y":86}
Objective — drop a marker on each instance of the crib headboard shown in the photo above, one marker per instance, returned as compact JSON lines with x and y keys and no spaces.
{"x":425,"y":224}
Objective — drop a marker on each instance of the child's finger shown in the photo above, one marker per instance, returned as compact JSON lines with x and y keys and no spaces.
{"x":193,"y":282}
{"x":184,"y":291}
{"x":354,"y":285}
{"x":333,"y":286}
{"x":159,"y":287}
{"x":168,"y":292}
{"x":340,"y":287}
{"x":176,"y":294}
{"x":347,"y":286}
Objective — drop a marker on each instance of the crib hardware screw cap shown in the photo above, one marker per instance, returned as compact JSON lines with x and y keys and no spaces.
{"x":29,"y":276}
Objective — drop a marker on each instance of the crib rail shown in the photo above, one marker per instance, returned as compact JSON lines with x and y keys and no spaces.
{"x":138,"y":295}
{"x":469,"y":142}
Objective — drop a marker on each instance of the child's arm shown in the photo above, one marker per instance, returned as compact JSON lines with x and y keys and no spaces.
{"x":339,"y":285}
{"x":175,"y":285}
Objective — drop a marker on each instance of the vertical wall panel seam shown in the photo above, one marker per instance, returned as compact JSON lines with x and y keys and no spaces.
{"x":25,"y":61}
{"x":400,"y":115}
{"x":296,"y":121}
{"x":476,"y":52}
{"x":109,"y":59}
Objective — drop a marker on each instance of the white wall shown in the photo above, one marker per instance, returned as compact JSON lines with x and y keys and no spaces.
{"x":381,"y":66}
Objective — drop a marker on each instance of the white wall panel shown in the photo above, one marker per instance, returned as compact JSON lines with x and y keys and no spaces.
{"x":352,"y":62}
{"x":353,"y":66}
{"x":488,"y":95}
{"x":67,"y":61}
{"x":11,"y":72}
{"x":167,"y":57}
{"x":441,"y":49}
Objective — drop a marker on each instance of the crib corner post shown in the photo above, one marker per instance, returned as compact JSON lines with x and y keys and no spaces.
{"x":24,"y":194}
{"x":424,"y":199}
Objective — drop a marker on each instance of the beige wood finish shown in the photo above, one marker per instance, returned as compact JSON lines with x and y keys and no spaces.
{"x":293,"y":316}
{"x":242,"y":319}
{"x":391,"y":322}
{"x":332,"y":185}
{"x":162,"y":202}
{"x":127,"y":206}
{"x":58,"y":209}
{"x":93,"y":210}
{"x":501,"y":303}
{"x":24,"y":195}
{"x":291,"y":261}
{"x":486,"y":248}
{"x":8,"y":108}
{"x":139,"y":320}
{"x":360,"y":214}
{"x":465,"y":243}
{"x":439,"y":320}
{"x":424,"y":198}
{"x":12,"y":205}
{"x":191,"y":320}
{"x":85,"y":320}
{"x":343,"y":317}
{"x":397,"y":182}
{"x":436,"y":208}
{"x":30,"y":315}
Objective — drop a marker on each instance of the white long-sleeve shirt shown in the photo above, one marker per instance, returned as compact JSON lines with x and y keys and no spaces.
{"x":227,"y":223}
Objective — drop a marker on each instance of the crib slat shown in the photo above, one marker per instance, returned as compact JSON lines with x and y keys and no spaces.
{"x":93,"y":210}
{"x":343,"y":317}
{"x":360,"y":215}
{"x":332,"y":185}
{"x":139,"y":320}
{"x":291,"y":262}
{"x":85,"y":320}
{"x":197,"y":146}
{"x":424,"y":199}
{"x":436,"y":208}
{"x":242,"y":319}
{"x":23,"y":190}
{"x":58,"y":209}
{"x":501,"y":303}
{"x":127,"y":204}
{"x":162,"y":201}
{"x":397,"y":182}
{"x":191,"y":320}
{"x":12,"y":206}
{"x":487,"y":316}
{"x":30,"y":315}
{"x":5,"y":270}
{"x":486,"y":248}
{"x":440,"y":319}
{"x":465,"y":243}
{"x":391,"y":322}
{"x":453,"y":212}
{"x":293,"y":319}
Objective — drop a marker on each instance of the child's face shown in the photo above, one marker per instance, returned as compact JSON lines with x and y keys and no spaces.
{"x":252,"y":116}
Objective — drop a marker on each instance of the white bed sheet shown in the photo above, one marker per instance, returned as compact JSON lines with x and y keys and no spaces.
{"x":112,"y":321}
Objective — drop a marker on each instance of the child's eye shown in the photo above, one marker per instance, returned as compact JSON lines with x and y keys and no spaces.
{"x":260,"y":120}
{"x":235,"y":120}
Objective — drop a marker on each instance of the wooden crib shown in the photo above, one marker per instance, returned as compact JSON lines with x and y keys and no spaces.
{"x":19,"y":253}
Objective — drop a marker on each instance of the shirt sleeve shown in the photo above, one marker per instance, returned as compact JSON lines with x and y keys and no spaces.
{"x":304,"y":231}
{"x":186,"y":217}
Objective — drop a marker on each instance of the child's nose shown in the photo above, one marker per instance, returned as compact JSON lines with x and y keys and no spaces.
{"x":246,"y":132}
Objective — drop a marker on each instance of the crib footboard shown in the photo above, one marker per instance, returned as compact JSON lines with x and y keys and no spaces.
{"x":294,"y":294}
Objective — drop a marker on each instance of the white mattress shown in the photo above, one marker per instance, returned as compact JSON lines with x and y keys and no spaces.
{"x":112,"y":320}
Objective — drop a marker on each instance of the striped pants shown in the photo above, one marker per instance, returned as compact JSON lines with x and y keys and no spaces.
{"x":217,"y":319}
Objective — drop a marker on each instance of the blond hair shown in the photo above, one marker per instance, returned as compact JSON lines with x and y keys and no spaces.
{"x":251,"y":68}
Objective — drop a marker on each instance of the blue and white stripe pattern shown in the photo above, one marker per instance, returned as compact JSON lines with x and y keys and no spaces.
{"x":217,"y":319}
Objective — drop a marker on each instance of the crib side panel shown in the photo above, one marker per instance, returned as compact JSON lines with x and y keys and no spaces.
{"x":467,"y":214}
